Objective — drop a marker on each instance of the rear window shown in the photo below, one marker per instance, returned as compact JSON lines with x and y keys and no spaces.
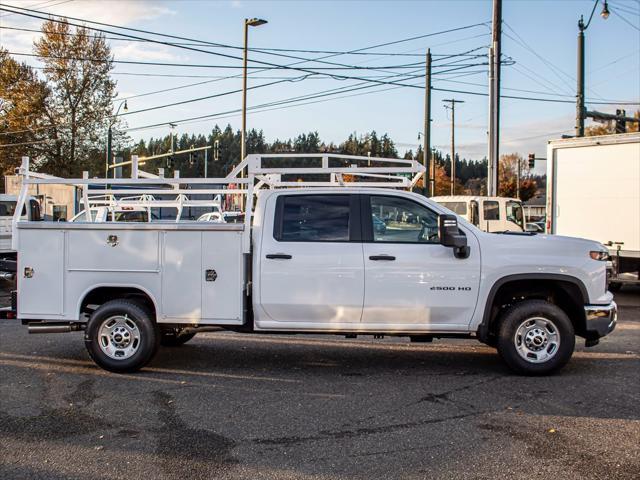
{"x":7,"y":208}
{"x":456,"y":207}
{"x":313,"y":218}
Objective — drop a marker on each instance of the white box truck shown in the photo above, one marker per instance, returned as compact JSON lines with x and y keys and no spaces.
{"x":326,"y":256}
{"x":594,"y":192}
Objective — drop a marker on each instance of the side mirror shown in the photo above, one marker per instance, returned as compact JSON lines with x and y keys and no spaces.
{"x":450,"y":235}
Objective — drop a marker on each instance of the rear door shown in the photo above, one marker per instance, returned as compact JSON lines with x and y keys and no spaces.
{"x":311,"y":265}
{"x":412,"y":282}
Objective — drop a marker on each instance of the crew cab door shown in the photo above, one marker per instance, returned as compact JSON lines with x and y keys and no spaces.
{"x":311,"y":269}
{"x":412,"y":282}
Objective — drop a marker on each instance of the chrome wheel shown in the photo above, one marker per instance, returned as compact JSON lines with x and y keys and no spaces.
{"x":119,"y":337}
{"x":537,"y":340}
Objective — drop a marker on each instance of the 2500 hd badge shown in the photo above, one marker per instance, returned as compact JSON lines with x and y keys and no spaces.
{"x":464,"y":289}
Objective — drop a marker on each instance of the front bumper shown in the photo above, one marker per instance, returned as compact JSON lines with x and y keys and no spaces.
{"x":600,"y":320}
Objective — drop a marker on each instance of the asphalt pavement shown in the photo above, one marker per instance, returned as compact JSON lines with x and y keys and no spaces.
{"x":232,"y":406}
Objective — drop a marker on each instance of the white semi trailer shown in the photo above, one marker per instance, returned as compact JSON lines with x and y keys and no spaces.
{"x":594,"y":192}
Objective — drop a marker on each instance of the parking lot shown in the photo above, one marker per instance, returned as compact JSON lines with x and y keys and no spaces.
{"x":227,"y":405}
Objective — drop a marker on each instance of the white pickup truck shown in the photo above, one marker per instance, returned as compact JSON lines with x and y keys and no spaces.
{"x":340,"y":257}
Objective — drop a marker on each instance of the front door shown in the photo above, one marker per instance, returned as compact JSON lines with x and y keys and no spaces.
{"x":311,"y":264}
{"x":412,"y":282}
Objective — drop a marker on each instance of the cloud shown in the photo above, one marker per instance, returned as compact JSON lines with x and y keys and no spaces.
{"x":120,"y":12}
{"x":142,"y":52}
{"x":117,"y":12}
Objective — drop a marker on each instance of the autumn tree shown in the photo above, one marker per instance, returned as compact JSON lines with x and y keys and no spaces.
{"x":508,"y":174}
{"x":22,"y":111}
{"x":77,"y":66}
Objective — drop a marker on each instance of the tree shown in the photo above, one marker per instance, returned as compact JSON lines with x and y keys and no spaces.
{"x":508,"y":175}
{"x":22,"y":111}
{"x":76,"y":66}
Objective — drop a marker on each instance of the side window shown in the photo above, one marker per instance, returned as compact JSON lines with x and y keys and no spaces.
{"x":399,"y":220}
{"x":59,"y":213}
{"x":34,"y":211}
{"x":313,"y":218}
{"x":491,"y":210}
{"x":514,"y":213}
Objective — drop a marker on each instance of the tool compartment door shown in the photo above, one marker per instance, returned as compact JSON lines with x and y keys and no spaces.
{"x":40,"y":273}
{"x":222,"y":277}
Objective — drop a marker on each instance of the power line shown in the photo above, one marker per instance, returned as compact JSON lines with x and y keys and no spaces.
{"x":25,"y":10}
{"x":626,"y":9}
{"x":43,"y":4}
{"x":621,"y":17}
{"x":201,"y":65}
{"x":251,"y":49}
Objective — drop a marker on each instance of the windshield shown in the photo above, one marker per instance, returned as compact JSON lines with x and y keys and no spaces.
{"x":515,"y":214}
{"x":456,"y":207}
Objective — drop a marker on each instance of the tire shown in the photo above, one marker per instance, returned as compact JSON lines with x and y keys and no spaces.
{"x":535,"y":337}
{"x":121,"y":336}
{"x":175,"y":338}
{"x":614,"y":286}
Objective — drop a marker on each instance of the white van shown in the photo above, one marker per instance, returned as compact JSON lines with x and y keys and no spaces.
{"x":491,"y":214}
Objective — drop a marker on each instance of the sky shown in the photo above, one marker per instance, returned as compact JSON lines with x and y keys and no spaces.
{"x":539,"y":39}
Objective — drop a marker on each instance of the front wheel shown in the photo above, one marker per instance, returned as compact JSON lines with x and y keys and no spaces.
{"x":121,"y":336}
{"x":535,"y":337}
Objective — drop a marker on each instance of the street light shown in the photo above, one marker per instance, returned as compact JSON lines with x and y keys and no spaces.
{"x":248,"y":22}
{"x":109,"y":137}
{"x":580,"y":108}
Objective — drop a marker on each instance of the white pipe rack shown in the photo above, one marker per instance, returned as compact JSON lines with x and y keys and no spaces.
{"x":387,"y":173}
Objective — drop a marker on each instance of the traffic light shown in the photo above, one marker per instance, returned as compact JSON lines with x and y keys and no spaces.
{"x":621,"y":124}
{"x":169,"y":162}
{"x":532,"y":160}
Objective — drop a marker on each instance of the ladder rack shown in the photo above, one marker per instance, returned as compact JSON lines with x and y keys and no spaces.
{"x":261,"y":170}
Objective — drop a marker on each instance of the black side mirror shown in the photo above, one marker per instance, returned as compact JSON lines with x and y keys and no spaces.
{"x":450,"y":235}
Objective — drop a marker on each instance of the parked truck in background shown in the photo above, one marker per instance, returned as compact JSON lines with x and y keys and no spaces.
{"x":332,"y":256}
{"x":30,"y":211}
{"x":490,"y":214}
{"x":593,"y":191}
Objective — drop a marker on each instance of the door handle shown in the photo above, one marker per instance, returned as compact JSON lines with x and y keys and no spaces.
{"x":382,"y":257}
{"x":282,"y":256}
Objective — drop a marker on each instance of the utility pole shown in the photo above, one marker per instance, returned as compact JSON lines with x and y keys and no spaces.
{"x":581,"y":111}
{"x":518,"y":180}
{"x":452,"y":106}
{"x":426,"y":143}
{"x":580,"y":86}
{"x":173,"y":126}
{"x":495,"y":53}
{"x":110,"y":138}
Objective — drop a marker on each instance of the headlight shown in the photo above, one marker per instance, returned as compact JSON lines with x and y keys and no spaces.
{"x":601,"y":255}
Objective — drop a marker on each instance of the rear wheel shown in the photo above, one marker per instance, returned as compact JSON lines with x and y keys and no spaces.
{"x":535,"y":337}
{"x":121,"y":336}
{"x":175,"y":337}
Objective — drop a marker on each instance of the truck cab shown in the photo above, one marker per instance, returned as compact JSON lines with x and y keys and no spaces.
{"x":490,"y":214}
